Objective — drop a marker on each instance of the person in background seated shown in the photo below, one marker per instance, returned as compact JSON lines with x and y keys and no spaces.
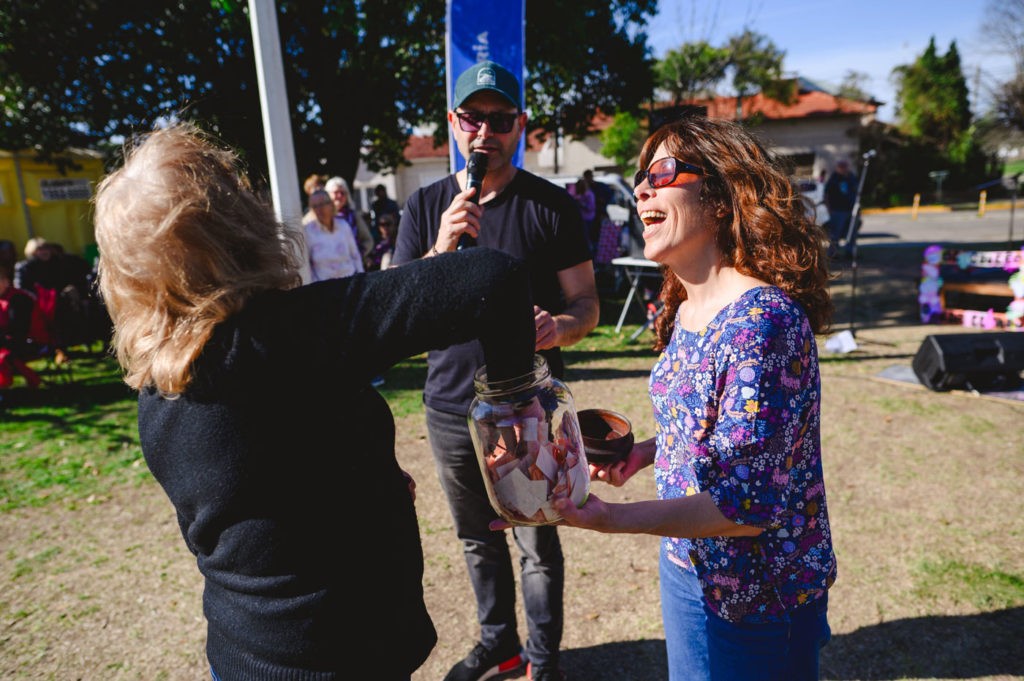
{"x":61,"y":283}
{"x":256,"y":414}
{"x":746,"y":556}
{"x":332,"y":249}
{"x":15,"y":320}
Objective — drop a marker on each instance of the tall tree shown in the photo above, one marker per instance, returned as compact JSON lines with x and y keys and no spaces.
{"x":361,"y":74}
{"x":756,"y":64}
{"x":932,"y":98}
{"x":692,"y":71}
{"x":584,"y":56}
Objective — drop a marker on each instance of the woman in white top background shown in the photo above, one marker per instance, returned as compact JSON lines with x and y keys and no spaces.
{"x":333,"y":252}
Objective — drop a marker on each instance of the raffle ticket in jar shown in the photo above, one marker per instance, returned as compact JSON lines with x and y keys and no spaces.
{"x":529,"y":461}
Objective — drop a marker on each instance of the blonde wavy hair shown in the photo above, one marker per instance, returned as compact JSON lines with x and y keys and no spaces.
{"x":764,"y":231}
{"x":184,"y":243}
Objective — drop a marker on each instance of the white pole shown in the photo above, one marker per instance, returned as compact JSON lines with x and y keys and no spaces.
{"x":277,"y":127}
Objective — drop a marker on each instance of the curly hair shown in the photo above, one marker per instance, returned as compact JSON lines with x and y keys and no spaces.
{"x":764,"y":231}
{"x":184,"y":243}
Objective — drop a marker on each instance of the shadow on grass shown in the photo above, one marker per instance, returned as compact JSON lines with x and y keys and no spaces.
{"x":953,"y":647}
{"x":643,"y":659}
{"x":946,"y":647}
{"x":91,"y":384}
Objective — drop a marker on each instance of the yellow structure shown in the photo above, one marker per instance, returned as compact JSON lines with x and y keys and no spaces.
{"x":37,"y":200}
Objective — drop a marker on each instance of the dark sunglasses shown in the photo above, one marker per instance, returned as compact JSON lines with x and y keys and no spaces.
{"x":664,"y":171}
{"x":321,"y":204}
{"x":500,"y":122}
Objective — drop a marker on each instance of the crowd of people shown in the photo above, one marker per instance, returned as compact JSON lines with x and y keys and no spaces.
{"x":209,"y":315}
{"x":340,"y":239}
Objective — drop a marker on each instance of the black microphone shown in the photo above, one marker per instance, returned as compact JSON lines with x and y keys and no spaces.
{"x":476,"y":168}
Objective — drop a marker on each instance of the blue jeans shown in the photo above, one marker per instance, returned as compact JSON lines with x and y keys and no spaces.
{"x":710,"y":647}
{"x":488,"y":560}
{"x":682,"y":616}
{"x":839,"y":229}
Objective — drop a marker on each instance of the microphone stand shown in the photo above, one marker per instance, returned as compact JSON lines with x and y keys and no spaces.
{"x":851,"y":239}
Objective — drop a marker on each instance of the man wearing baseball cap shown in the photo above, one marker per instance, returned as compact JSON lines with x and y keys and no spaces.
{"x":519,"y":213}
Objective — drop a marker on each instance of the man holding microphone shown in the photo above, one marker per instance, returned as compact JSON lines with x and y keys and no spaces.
{"x":509,"y":209}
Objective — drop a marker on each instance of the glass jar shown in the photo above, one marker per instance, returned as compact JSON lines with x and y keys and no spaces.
{"x":528,"y":443}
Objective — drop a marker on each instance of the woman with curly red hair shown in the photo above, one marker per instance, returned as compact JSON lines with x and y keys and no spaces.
{"x":746,"y":556}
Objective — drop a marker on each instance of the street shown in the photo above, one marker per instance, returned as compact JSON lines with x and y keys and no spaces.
{"x":898,"y":228}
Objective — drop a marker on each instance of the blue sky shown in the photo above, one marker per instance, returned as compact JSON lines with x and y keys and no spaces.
{"x":824,"y":39}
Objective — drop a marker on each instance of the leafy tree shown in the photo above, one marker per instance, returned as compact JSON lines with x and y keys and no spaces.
{"x":78,"y":74}
{"x":692,"y":71}
{"x":756,"y":64}
{"x":360,"y":75}
{"x":932,"y":101}
{"x":622,"y":140}
{"x":583,"y":56}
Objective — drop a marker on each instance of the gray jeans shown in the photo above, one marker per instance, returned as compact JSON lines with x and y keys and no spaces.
{"x":488,"y":559}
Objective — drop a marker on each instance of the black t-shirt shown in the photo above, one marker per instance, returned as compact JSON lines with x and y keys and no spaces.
{"x":841,"y":192}
{"x":531,"y":219}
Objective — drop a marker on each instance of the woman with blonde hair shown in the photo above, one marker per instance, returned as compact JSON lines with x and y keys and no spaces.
{"x":339,"y":192}
{"x":746,"y":556}
{"x":257,"y":417}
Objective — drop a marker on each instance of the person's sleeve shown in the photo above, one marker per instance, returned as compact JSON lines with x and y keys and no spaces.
{"x":376,"y":319}
{"x":761,"y":419}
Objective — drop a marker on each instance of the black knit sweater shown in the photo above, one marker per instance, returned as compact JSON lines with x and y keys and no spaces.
{"x":280,"y":462}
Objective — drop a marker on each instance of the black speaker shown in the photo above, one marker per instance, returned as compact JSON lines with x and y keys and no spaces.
{"x":982,"y":361}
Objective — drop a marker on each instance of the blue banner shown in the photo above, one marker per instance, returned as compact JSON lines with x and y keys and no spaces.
{"x":478,"y":30}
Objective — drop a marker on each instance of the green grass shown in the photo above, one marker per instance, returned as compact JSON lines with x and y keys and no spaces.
{"x":69,"y":441}
{"x":982,"y":587}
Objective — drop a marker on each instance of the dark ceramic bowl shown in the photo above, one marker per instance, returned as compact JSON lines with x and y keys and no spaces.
{"x":607,"y":435}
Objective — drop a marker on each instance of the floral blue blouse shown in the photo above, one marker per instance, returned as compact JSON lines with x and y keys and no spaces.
{"x":737,"y":408}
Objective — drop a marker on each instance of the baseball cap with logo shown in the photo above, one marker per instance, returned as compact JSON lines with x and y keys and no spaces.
{"x":487,"y":76}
